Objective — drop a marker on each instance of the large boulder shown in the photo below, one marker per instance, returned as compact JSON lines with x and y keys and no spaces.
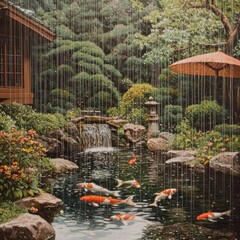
{"x":27,"y":226}
{"x":72,"y":131}
{"x":167,"y":136}
{"x":158,"y":145}
{"x":58,"y":134}
{"x":117,"y":123}
{"x":187,"y":231}
{"x":71,"y":147}
{"x":133,"y":133}
{"x":63,"y":166}
{"x":179,"y":160}
{"x":181,"y":153}
{"x":53,"y":146}
{"x":48,"y":205}
{"x":227,"y":162}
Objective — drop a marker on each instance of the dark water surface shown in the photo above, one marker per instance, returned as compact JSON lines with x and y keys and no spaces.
{"x":197,"y":193}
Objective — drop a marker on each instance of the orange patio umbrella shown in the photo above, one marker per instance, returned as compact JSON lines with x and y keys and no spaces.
{"x":210,"y":64}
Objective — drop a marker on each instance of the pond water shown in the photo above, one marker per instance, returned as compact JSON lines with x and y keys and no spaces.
{"x":197,"y":193}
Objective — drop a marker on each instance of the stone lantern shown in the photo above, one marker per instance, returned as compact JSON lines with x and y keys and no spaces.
{"x":153,"y":126}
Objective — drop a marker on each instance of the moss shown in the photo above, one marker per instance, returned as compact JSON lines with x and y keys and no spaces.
{"x":9,"y":211}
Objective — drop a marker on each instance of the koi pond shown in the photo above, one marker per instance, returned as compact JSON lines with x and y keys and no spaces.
{"x":197,"y":193}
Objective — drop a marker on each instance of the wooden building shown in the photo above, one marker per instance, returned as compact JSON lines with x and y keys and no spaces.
{"x":18,"y":30}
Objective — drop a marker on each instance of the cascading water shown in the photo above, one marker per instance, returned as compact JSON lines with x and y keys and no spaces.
{"x":95,"y":136}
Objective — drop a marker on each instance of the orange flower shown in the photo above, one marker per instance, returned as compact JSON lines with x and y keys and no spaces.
{"x":31,"y":132}
{"x":5,"y":168}
{"x":227,"y":139}
{"x":33,"y":210}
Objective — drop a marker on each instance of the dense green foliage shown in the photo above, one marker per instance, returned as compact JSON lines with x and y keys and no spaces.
{"x":103,"y":47}
{"x":205,"y":115}
{"x":172,"y":116}
{"x":9,"y":211}
{"x":25,"y":117}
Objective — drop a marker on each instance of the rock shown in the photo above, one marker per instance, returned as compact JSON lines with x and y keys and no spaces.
{"x":141,"y":144}
{"x":179,"y":160}
{"x":27,"y":226}
{"x":199,"y":168}
{"x":95,"y":119}
{"x":117,"y":123}
{"x":187,"y":231}
{"x":117,"y":141}
{"x":133,"y":133}
{"x":181,"y":153}
{"x":72,"y":130}
{"x":227,"y":162}
{"x":158,"y":145}
{"x":53,"y":146}
{"x":47,"y":205}
{"x":58,"y":134}
{"x":70,"y":147}
{"x":63,"y":166}
{"x":167,"y":136}
{"x":78,"y":120}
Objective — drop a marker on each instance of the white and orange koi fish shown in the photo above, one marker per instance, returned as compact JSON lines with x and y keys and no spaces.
{"x":162,"y":195}
{"x":212,"y":216}
{"x":97,"y":189}
{"x":97,"y":200}
{"x":125,"y":218}
{"x":128,"y":184}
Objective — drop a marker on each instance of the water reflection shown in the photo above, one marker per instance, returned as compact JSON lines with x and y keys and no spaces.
{"x":197,"y":193}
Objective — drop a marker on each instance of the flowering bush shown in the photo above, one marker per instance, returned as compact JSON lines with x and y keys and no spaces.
{"x":207,"y":144}
{"x":22,"y":162}
{"x":16,"y":182}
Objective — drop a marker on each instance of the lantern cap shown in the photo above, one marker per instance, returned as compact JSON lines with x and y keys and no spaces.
{"x":151,"y":102}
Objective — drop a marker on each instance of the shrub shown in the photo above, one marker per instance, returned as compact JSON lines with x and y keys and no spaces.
{"x":185,"y":136}
{"x":228,"y":129}
{"x":43,"y":123}
{"x":18,"y":112}
{"x":25,"y":117}
{"x":113,"y":112}
{"x":137,"y":116}
{"x":172,"y":115}
{"x":6,"y":123}
{"x":23,"y":161}
{"x":101,"y":100}
{"x":206,"y":115}
{"x":73,"y":113}
{"x":125,"y":84}
{"x":132,"y":105}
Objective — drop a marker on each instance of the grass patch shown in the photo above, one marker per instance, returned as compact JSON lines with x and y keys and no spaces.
{"x":9,"y":211}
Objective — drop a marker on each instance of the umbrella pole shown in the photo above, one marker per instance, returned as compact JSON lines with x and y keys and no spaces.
{"x":215,"y":85}
{"x":215,"y":95}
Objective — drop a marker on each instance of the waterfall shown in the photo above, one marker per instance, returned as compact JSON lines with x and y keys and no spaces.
{"x":95,"y":136}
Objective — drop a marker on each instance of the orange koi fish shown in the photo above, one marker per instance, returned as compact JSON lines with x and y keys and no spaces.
{"x":97,"y":189}
{"x":162,"y":195}
{"x":125,"y":218}
{"x":97,"y":200}
{"x":133,"y":160}
{"x":128,"y":184}
{"x":212,"y":216}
